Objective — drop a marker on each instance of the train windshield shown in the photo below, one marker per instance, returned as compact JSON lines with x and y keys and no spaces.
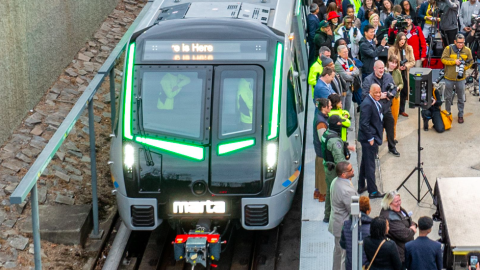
{"x":237,"y":102}
{"x":173,"y":101}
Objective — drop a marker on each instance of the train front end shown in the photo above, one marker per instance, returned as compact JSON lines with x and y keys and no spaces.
{"x":200,"y":126}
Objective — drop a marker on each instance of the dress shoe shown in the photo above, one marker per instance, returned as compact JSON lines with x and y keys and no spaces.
{"x":316,"y":193}
{"x":460,"y":120}
{"x":326,"y":220}
{"x":361,"y":190}
{"x":375,"y":195}
{"x":394,"y":152}
{"x":404,"y":114}
{"x":322,"y":197}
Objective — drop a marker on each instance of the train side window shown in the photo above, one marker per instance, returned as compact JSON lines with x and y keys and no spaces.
{"x":292,"y":120}
{"x":298,"y":88}
{"x":238,"y":99}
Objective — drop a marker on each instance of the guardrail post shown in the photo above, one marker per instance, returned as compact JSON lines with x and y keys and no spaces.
{"x":93,"y":165}
{"x":112,"y":96}
{"x":36,"y":229}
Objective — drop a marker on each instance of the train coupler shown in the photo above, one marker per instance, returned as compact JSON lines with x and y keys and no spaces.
{"x":197,"y":248}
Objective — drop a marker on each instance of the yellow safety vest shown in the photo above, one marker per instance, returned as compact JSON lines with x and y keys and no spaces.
{"x":170,"y":82}
{"x":344,"y":115}
{"x":245,"y":101}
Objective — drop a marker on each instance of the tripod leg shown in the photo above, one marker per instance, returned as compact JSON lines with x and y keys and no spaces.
{"x":406,"y":179}
{"x":429,"y":187}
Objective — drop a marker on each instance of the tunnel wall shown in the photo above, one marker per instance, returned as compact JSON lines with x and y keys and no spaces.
{"x":38,"y":39}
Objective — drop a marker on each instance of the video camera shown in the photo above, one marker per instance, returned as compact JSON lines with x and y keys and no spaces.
{"x":476,"y":23}
{"x":390,"y":88}
{"x":402,"y":23}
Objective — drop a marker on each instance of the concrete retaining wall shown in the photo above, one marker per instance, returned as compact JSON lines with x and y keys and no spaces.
{"x":38,"y":39}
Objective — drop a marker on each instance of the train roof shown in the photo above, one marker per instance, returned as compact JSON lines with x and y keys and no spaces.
{"x":276,"y":14}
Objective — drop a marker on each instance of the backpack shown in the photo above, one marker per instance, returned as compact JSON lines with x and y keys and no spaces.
{"x":446,"y":117}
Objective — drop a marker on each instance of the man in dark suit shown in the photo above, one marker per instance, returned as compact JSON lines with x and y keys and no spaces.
{"x":370,"y":137}
{"x":423,"y":253}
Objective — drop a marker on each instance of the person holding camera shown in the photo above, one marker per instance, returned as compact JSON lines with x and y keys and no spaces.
{"x":448,"y":19}
{"x":429,"y":15}
{"x":389,"y":90}
{"x":402,"y":228}
{"x":397,"y":11}
{"x":405,"y":54}
{"x":392,"y":65}
{"x":466,"y":11}
{"x":369,"y":51}
{"x":415,"y":38}
{"x":423,"y":253}
{"x":457,"y":59}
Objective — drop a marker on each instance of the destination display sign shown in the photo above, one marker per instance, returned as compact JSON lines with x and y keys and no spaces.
{"x":158,"y":50}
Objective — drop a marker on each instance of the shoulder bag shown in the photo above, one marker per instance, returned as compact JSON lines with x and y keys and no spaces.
{"x":376,"y":252}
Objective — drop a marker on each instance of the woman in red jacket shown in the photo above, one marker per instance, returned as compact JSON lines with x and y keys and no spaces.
{"x":415,"y":39}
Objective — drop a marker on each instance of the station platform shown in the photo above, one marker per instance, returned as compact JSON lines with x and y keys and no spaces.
{"x":316,"y":249}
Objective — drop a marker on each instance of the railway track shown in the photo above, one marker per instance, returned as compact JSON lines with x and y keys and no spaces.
{"x":276,"y":249}
{"x":246,"y":250}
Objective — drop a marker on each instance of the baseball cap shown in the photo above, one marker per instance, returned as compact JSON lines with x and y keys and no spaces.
{"x":425,"y":223}
{"x":323,"y":24}
{"x":326,"y":61}
{"x":334,"y":119}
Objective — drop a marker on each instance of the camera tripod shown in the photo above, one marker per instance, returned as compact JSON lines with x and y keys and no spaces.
{"x":473,"y":78}
{"x":419,"y":170}
{"x":431,"y":37}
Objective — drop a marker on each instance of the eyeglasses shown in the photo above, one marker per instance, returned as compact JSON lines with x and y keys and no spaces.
{"x":348,"y":22}
{"x":460,"y":42}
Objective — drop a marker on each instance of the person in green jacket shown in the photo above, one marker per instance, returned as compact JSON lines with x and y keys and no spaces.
{"x":171,"y":85}
{"x":333,"y":152}
{"x":343,"y":114}
{"x":316,"y":69}
{"x":245,"y":103}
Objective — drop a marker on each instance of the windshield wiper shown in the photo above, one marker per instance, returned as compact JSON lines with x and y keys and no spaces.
{"x":147,"y":152}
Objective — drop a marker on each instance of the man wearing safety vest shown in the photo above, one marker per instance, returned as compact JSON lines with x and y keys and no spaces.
{"x":245,"y":103}
{"x":316,"y":69}
{"x":171,"y":85}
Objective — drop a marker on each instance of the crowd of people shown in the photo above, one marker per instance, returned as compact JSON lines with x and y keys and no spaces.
{"x":361,"y":52}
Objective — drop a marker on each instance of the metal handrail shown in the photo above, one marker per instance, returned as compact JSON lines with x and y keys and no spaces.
{"x":29,"y":181}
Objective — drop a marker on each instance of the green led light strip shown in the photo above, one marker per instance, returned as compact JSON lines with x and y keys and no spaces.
{"x":276,"y":93}
{"x":298,"y":7}
{"x":127,"y":108}
{"x":234,"y":146}
{"x":187,"y":150}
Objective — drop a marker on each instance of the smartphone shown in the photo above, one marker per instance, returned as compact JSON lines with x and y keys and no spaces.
{"x":473,"y":260}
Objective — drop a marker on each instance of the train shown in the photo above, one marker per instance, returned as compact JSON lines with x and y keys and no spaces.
{"x":211,"y":119}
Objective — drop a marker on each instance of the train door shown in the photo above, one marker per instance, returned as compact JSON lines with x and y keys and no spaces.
{"x":294,"y":132}
{"x":236,"y":151}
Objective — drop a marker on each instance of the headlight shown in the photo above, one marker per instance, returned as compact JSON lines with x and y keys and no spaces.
{"x":272,"y":150}
{"x":128,"y":156}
